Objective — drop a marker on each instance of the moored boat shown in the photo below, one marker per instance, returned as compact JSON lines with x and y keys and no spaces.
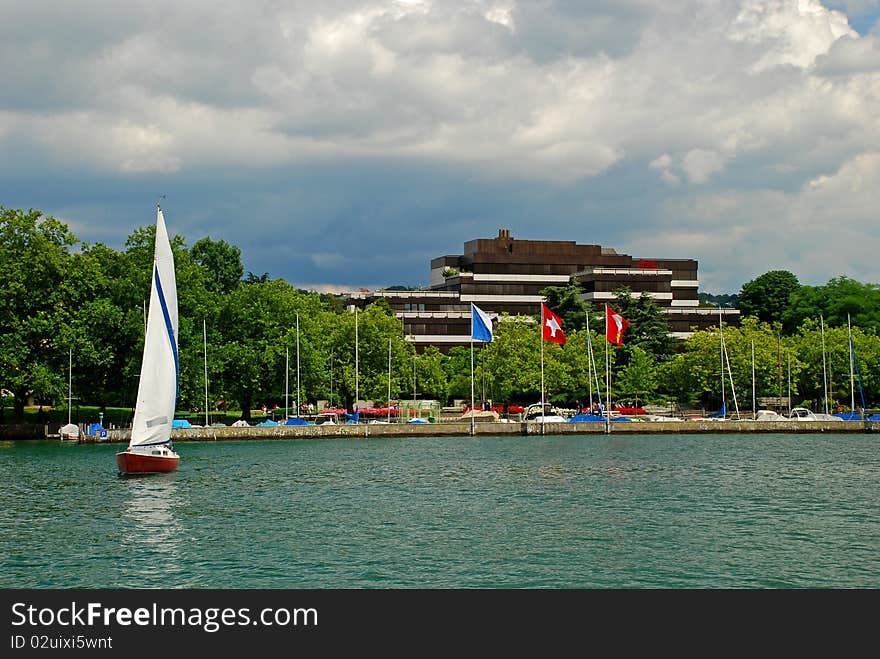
{"x":69,"y":432}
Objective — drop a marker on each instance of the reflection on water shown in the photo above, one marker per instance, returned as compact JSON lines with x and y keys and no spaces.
{"x":152,"y":533}
{"x":700,"y":511}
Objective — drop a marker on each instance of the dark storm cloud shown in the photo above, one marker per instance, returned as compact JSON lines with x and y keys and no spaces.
{"x":346,"y":143}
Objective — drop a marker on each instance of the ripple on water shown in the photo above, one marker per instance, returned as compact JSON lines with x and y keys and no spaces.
{"x":540,"y":512}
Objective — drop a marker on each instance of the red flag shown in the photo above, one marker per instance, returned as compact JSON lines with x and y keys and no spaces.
{"x":615,"y":326}
{"x":552,"y":326}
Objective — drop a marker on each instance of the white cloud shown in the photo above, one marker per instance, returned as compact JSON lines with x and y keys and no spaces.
{"x":700,"y":164}
{"x":736,"y":106}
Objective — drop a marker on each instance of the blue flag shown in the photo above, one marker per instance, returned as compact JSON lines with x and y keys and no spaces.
{"x":481,"y":324}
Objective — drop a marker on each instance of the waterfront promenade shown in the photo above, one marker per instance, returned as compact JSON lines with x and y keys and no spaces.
{"x":463,"y":429}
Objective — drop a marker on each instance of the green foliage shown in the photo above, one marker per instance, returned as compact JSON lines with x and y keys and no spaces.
{"x":648,"y":329}
{"x":566,"y":302}
{"x":835,"y":300}
{"x":34,"y":251}
{"x":725,"y":300}
{"x":92,"y":301}
{"x":767,"y":297}
{"x":221,"y":261}
{"x":638,"y":378}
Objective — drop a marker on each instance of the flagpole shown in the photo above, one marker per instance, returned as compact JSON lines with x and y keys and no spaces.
{"x":541,"y":339}
{"x":356,"y":367}
{"x":607,"y":378}
{"x":472,"y":375}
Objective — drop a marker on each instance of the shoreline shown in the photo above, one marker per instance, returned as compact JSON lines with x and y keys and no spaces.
{"x":519,"y":429}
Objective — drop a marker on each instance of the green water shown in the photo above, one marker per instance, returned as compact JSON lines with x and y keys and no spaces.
{"x":657,"y":511}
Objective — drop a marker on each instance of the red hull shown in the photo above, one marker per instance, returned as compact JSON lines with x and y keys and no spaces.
{"x":130,"y":462}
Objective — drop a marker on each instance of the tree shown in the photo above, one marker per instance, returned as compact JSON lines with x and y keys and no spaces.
{"x":647,"y":330}
{"x":638,"y":378}
{"x":768,"y":297}
{"x":566,"y":302}
{"x":693,"y":376}
{"x":513,"y":359}
{"x":837,"y":299}
{"x":222,"y":263}
{"x":34,"y":252}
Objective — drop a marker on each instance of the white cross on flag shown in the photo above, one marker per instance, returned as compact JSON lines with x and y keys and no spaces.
{"x":552,"y":326}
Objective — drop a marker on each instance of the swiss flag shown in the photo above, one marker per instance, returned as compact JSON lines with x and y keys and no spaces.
{"x":615,"y":326}
{"x":552,"y":326}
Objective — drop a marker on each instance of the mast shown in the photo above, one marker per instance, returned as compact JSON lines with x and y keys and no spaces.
{"x":721,"y":338}
{"x":592,"y":364}
{"x":852,"y":383}
{"x":589,"y":362}
{"x":286,"y":383}
{"x":388,"y":404}
{"x":205,"y":343}
{"x":732,"y":387}
{"x":788,"y":356}
{"x":754,"y":408}
{"x":357,"y":394}
{"x":824,"y":367}
{"x":297,"y":366}
{"x":69,"y":383}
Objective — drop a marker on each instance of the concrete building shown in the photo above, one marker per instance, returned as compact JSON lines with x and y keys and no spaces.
{"x":504,"y":274}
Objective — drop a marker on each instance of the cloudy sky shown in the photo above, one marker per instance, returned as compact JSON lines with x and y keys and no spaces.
{"x":345,"y":143}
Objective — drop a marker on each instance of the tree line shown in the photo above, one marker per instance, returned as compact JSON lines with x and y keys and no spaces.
{"x":60,"y":297}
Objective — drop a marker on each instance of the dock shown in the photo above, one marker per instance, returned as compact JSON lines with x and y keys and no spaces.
{"x":516,"y":429}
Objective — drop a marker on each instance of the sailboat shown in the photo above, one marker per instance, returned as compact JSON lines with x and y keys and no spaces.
{"x":70,"y":431}
{"x":149,"y":450}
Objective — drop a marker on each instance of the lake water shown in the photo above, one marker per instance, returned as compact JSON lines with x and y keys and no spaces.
{"x":650,"y":511}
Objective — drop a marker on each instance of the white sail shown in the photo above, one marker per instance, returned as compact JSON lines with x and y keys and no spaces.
{"x":157,"y":389}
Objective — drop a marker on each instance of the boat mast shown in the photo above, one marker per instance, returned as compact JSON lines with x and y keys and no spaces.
{"x":286,"y":383}
{"x":472,"y":374}
{"x":824,"y":367}
{"x":356,"y":364}
{"x":69,"y":383}
{"x":589,"y":364}
{"x":592,"y":364}
{"x":732,"y":386}
{"x":205,"y":340}
{"x":788,"y":355}
{"x":721,"y":339}
{"x":389,"y":380}
{"x":852,"y":384}
{"x":754,"y":408}
{"x":297,"y":366}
